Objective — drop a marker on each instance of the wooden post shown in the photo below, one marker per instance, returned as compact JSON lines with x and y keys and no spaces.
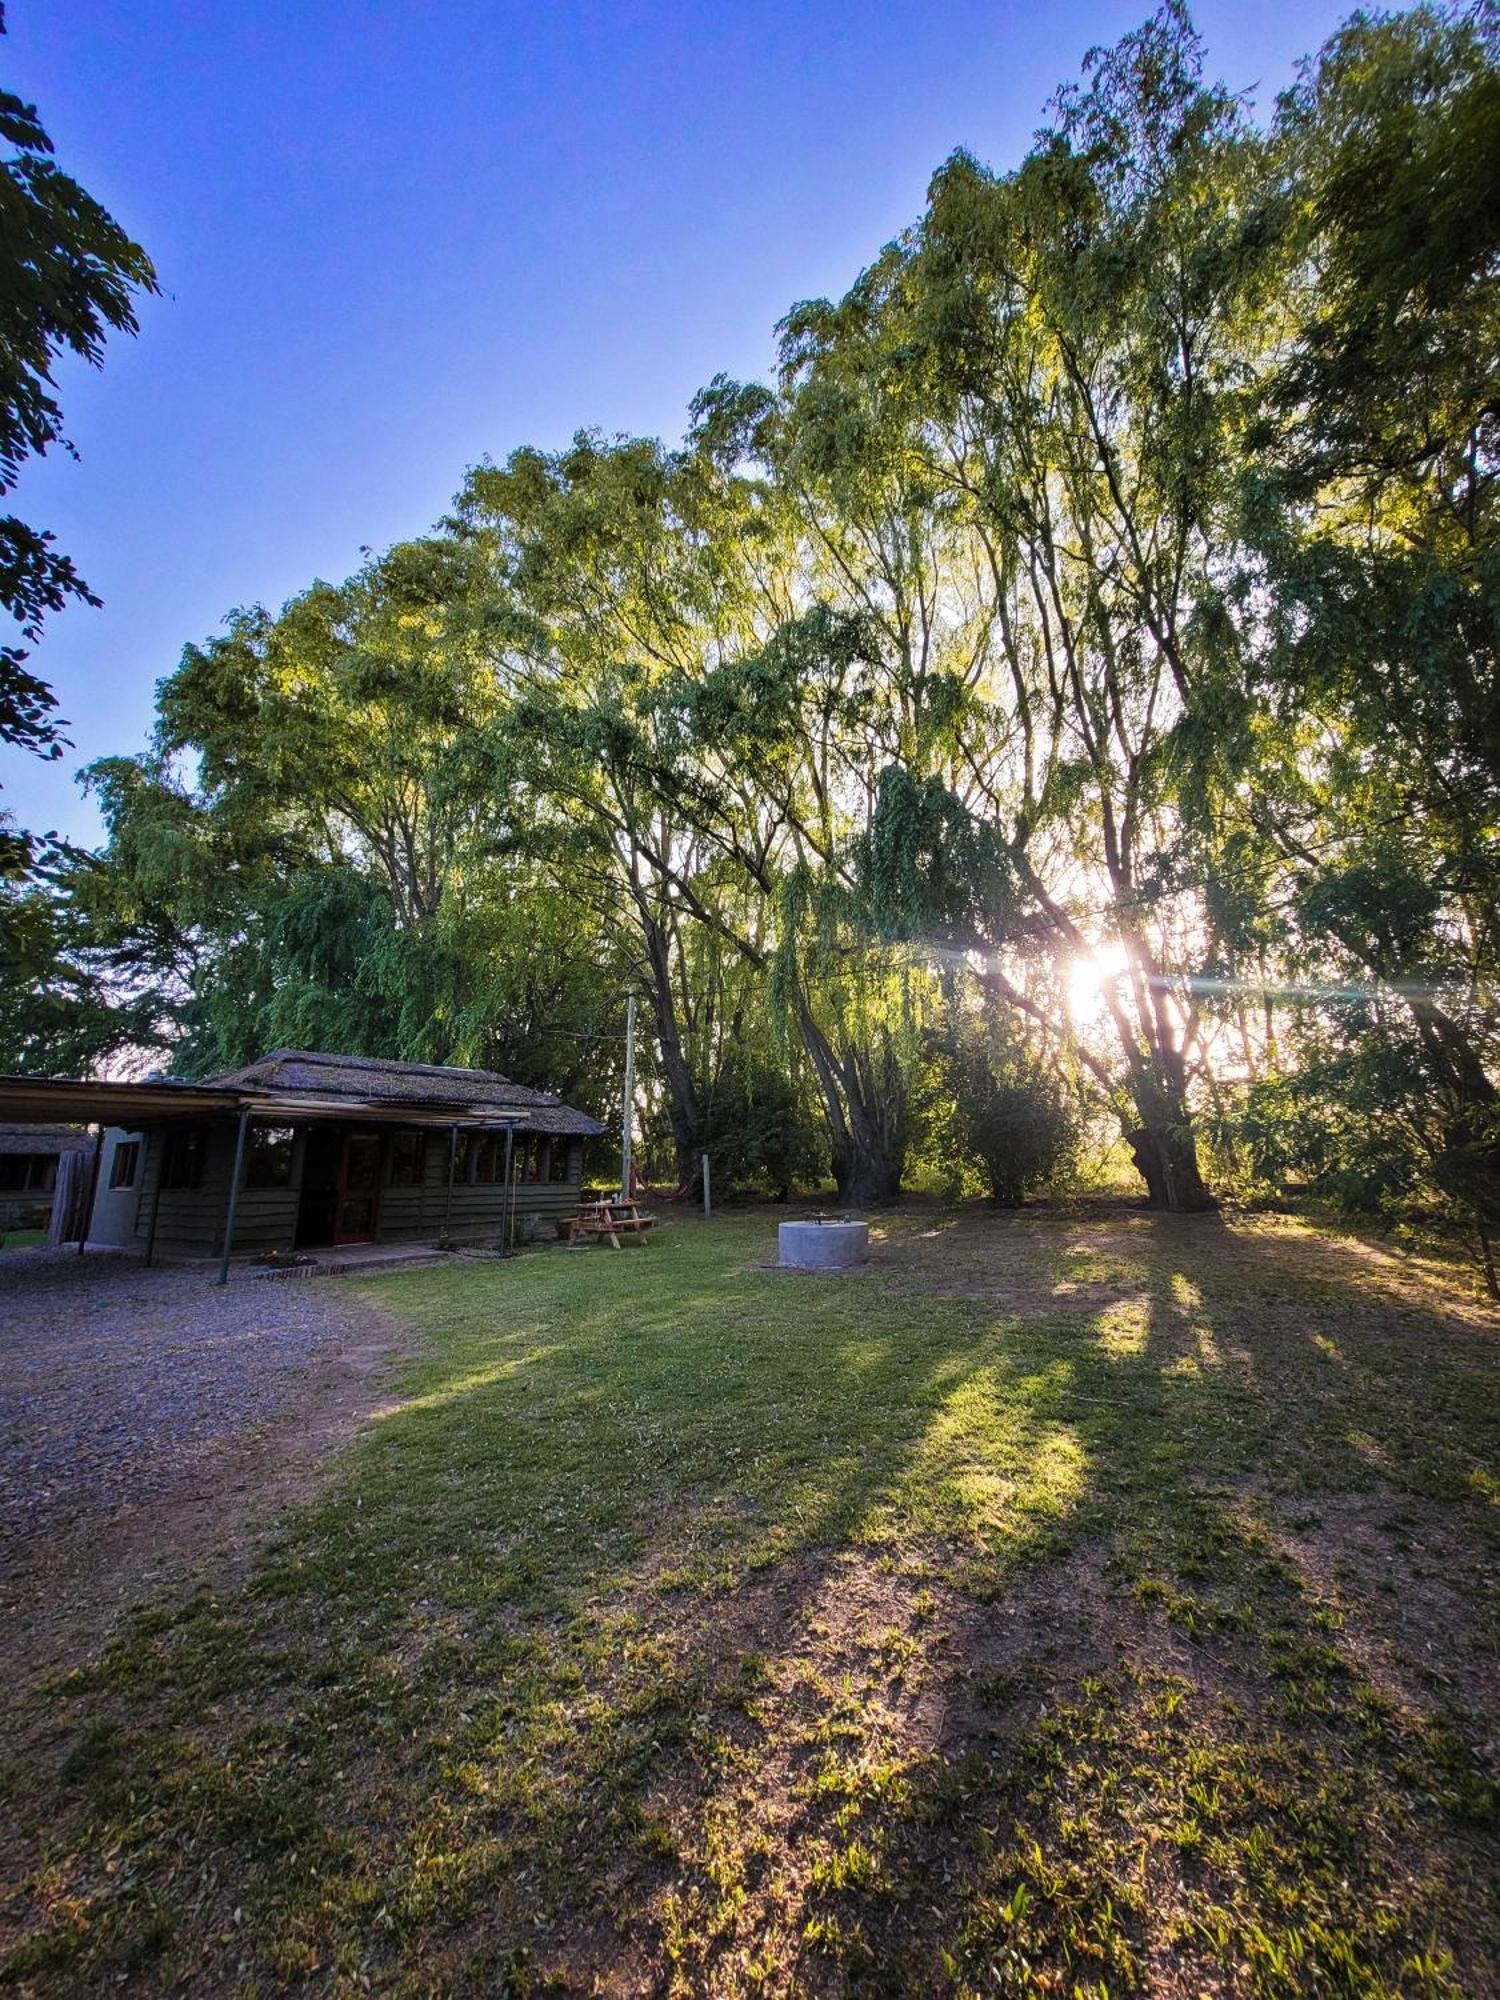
{"x":627,"y":1118}
{"x":708,"y":1199}
{"x":234,"y":1196}
{"x":510,"y":1191}
{"x":448,"y":1204}
{"x":88,"y":1206}
{"x":156,"y":1191}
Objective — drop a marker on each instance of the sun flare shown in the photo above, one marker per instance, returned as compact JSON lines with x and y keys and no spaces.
{"x":1090,"y":977}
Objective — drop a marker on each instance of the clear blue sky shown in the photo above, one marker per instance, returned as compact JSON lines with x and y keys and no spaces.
{"x":396,"y":238}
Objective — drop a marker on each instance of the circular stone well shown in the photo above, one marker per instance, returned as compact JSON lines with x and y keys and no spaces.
{"x":822,"y":1246}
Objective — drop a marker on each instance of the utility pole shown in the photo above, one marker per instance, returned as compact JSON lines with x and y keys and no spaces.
{"x":627,"y":1119}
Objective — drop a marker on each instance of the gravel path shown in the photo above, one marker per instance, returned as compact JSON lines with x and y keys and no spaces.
{"x":144,"y":1411}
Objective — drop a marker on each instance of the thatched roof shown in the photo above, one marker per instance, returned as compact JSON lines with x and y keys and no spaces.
{"x":42,"y":1139}
{"x":372,"y":1081}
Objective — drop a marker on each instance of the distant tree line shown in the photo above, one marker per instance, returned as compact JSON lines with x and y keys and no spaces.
{"x":1110,"y":578}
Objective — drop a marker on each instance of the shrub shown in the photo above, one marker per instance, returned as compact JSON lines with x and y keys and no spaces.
{"x":1016,"y":1120}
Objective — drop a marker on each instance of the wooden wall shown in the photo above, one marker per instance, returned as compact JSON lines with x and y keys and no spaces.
{"x":415,"y":1214}
{"x":190,"y":1220}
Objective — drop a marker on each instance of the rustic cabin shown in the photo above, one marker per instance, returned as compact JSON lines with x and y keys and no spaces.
{"x":303,"y":1151}
{"x":29,"y":1159}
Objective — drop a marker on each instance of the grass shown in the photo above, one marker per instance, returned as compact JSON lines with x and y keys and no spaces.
{"x":1074,"y":1603}
{"x":22,"y":1239}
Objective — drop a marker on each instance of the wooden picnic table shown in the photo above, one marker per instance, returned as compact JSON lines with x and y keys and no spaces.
{"x":603,"y":1219}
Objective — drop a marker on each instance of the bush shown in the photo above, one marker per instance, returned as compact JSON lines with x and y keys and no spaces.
{"x":762,"y":1131}
{"x":1016,"y":1121}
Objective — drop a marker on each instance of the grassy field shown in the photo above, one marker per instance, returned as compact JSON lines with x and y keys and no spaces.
{"x":1072,"y":1603}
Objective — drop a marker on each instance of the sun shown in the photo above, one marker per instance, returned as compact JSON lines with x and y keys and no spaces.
{"x":1090,"y":975}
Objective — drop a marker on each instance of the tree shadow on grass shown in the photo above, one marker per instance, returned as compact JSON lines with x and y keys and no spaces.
{"x":1191,"y":1771}
{"x":896,"y":1639}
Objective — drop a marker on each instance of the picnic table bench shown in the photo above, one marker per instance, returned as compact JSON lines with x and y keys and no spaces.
{"x":602,"y":1219}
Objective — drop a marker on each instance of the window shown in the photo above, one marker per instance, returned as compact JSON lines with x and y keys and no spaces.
{"x":182,"y":1162}
{"x":126,"y":1164}
{"x":15,"y":1172}
{"x":268,"y":1156}
{"x":487,"y":1156}
{"x":561,"y":1149}
{"x":408,"y":1158}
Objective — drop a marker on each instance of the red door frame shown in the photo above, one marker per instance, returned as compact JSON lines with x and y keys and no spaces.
{"x":346,"y":1192}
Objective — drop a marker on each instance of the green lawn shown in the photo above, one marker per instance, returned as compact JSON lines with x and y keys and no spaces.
{"x":1071,"y":1603}
{"x":22,"y":1239}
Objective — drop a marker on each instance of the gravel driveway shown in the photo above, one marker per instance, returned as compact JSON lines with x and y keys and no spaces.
{"x":143,"y":1411}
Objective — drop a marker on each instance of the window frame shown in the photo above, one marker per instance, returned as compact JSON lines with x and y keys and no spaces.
{"x":127,"y":1152}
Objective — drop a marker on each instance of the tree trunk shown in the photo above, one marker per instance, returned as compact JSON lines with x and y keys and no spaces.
{"x":867,"y":1154}
{"x":1166,"y":1157}
{"x":867,"y":1179}
{"x":684,"y":1111}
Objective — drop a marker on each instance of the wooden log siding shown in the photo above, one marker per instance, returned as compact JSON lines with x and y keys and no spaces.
{"x":415,"y":1214}
{"x":190,"y":1221}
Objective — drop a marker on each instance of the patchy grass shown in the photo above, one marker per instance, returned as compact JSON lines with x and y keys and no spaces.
{"x":1072,"y":1603}
{"x":22,"y":1239}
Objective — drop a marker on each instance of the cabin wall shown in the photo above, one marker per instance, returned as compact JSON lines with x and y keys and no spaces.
{"x":25,"y":1207}
{"x":478,"y":1210}
{"x":190,"y":1221}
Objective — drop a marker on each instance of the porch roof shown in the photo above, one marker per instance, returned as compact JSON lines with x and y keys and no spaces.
{"x":60,"y":1100}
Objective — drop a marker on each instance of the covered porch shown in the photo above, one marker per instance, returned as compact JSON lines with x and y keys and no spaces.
{"x":220,"y":1172}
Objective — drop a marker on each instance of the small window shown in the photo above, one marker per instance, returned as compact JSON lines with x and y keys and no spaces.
{"x":487,"y":1157}
{"x":126,"y":1164}
{"x":182,"y":1163}
{"x":268,"y":1156}
{"x":561,"y":1148}
{"x":408,"y":1157}
{"x":15,"y":1172}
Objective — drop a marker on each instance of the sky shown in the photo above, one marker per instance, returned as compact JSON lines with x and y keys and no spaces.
{"x":393,"y":240}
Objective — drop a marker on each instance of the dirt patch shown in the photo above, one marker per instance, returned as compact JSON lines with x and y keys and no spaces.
{"x":133,"y":1530}
{"x":1414,"y":1596}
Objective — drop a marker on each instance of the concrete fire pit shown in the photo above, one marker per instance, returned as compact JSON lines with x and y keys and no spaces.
{"x":816,"y":1245}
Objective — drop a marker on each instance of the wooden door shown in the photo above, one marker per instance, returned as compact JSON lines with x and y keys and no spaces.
{"x":358,"y":1209}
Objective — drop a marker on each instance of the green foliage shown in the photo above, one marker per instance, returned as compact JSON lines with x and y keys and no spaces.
{"x":762,"y":1130}
{"x":1011,"y":1115}
{"x":69,"y":276}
